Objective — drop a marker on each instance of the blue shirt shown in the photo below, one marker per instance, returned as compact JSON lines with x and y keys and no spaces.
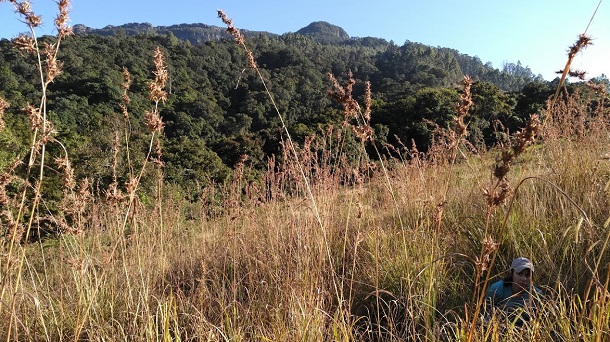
{"x":500,"y":295}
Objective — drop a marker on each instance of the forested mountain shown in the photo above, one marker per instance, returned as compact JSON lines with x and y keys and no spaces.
{"x":218,"y":110}
{"x":511,"y":77}
{"x":194,"y":33}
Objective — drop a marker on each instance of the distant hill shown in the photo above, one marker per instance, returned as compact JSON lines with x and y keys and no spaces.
{"x":324,"y":32}
{"x":194,"y":33}
{"x":412,"y":62}
{"x":319,"y":31}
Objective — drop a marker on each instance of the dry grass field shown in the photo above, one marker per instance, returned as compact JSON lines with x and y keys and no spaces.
{"x":394,"y":250}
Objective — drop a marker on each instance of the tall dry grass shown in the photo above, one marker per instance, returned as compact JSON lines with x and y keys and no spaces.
{"x":320,"y":250}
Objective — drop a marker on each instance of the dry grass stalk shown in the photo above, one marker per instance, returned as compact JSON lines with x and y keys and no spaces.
{"x":156,"y":87}
{"x":5,"y":179}
{"x":463,"y":108}
{"x":351,"y":108}
{"x":61,"y":21}
{"x":113,"y":194}
{"x":343,"y":95}
{"x":489,"y":247}
{"x":580,"y":44}
{"x":31,"y":18}
{"x":37,"y":115}
{"x":157,"y":157}
{"x":125,"y":86}
{"x":63,"y":163}
{"x":156,"y":92}
{"x":73,"y":204}
{"x":240,"y":41}
{"x":446,"y":142}
{"x":497,"y":194}
{"x":3,"y":106}
{"x":53,"y":66}
{"x":239,"y":38}
{"x":325,"y":248}
{"x":43,"y":129}
{"x":25,"y":43}
{"x":153,"y":120}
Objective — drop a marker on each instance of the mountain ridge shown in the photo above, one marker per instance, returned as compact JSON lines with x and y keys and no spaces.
{"x":198,"y":33}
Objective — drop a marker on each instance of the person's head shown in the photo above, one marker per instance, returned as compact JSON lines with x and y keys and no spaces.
{"x":521,"y":272}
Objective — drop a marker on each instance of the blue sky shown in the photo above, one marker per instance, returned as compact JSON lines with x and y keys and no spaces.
{"x":535,"y":32}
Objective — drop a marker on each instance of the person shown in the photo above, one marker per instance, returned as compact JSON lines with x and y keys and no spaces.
{"x":515,"y":295}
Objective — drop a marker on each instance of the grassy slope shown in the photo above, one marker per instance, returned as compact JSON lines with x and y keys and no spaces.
{"x":272,"y":271}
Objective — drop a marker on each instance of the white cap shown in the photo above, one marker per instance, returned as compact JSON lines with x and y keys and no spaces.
{"x":521,"y":263}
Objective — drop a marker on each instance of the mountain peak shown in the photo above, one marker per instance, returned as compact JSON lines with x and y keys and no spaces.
{"x":324,"y":32}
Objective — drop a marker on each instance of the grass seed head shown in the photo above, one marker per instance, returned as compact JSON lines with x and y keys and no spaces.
{"x":33,"y":20}
{"x":463,"y":108}
{"x":363,"y":132}
{"x":158,"y":154}
{"x":126,"y":99}
{"x":499,"y":194}
{"x":25,"y":43}
{"x":126,"y":79}
{"x":156,"y":92}
{"x":114,"y":195}
{"x":53,"y":67}
{"x":580,"y":74}
{"x":239,"y":38}
{"x":582,"y":42}
{"x":34,"y":116}
{"x":489,"y":247}
{"x":124,"y":110}
{"x":25,"y":9}
{"x":343,"y":95}
{"x":465,"y":97}
{"x":3,"y":106}
{"x":153,"y":121}
{"x":63,"y":163}
{"x":527,"y":135}
{"x":367,"y":101}
{"x":61,"y":21}
{"x":232,"y":30}
{"x":5,"y":179}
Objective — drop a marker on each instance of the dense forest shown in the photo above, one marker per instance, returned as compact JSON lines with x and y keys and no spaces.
{"x":218,"y":111}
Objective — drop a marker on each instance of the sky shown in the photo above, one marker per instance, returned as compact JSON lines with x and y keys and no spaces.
{"x":537,"y":33}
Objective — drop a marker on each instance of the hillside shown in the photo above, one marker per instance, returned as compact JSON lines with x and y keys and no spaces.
{"x":194,"y":33}
{"x":511,"y":77}
{"x":216,"y":112}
